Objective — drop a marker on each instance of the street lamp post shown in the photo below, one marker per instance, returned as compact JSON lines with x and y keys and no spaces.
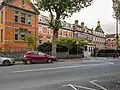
{"x":117,"y":37}
{"x":77,"y":50}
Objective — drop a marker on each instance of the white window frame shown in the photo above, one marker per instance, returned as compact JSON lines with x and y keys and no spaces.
{"x":16,"y":15}
{"x":29,"y":19}
{"x":40,"y":18}
{"x":17,"y":34}
{"x":40,"y":28}
{"x":23,"y":1}
{"x":61,"y":32}
{"x":48,"y":30}
{"x":66,"y":34}
{"x":1,"y":17}
{"x":1,"y":34}
{"x":25,"y":17}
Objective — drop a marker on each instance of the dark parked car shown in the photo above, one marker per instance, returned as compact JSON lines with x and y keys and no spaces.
{"x":35,"y":56}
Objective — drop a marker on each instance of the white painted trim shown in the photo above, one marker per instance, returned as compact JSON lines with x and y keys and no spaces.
{"x":8,"y":21}
{"x":25,"y":17}
{"x":12,"y":27}
{"x":8,"y":40}
{"x":24,"y":2}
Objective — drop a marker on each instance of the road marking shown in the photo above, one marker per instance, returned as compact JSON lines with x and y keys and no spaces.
{"x":70,"y":86}
{"x":57,"y":68}
{"x":93,"y":82}
{"x":111,"y":63}
{"x":74,"y":87}
{"x":84,"y":87}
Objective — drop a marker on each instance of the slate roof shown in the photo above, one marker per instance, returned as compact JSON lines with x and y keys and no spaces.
{"x":98,"y":28}
{"x":110,"y":35}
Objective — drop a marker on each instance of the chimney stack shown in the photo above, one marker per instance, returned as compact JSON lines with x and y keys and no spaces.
{"x":76,"y":22}
{"x":82,"y":24}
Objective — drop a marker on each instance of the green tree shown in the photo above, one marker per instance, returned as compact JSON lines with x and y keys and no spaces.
{"x":45,"y":47}
{"x":70,"y":42}
{"x":31,"y":41}
{"x":67,"y":42}
{"x":116,"y":8}
{"x":60,"y":9}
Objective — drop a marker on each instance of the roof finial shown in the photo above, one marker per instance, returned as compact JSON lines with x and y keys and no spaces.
{"x":98,"y":23}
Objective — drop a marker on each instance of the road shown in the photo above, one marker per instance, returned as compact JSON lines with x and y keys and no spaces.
{"x":85,"y":75}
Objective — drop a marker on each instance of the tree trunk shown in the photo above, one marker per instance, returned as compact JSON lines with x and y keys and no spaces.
{"x":68,"y":53}
{"x":55,"y":37}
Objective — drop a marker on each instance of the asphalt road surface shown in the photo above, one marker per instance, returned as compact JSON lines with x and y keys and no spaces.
{"x":86,"y":75}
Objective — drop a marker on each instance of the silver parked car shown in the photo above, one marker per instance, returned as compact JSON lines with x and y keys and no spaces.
{"x":6,"y":61}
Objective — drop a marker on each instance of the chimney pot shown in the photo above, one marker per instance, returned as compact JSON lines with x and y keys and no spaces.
{"x":82,"y":24}
{"x":76,"y":22}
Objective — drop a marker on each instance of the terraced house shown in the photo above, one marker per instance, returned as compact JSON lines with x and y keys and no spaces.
{"x":17,"y":19}
{"x":97,"y":36}
{"x":47,"y":33}
{"x":111,"y":41}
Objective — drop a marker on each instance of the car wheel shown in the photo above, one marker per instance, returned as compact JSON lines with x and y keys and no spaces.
{"x":6,"y":63}
{"x":49,"y":61}
{"x":28,"y":62}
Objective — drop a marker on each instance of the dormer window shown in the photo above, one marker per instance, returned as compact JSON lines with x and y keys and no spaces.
{"x":23,"y":2}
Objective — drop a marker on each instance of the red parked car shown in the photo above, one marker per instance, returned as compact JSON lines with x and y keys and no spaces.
{"x":35,"y":56}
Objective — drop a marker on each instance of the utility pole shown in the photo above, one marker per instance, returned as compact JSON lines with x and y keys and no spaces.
{"x":117,"y":37}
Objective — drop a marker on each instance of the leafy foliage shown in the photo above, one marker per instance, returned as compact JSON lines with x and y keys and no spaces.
{"x":31,"y":40}
{"x":59,"y":9}
{"x":45,"y":47}
{"x":116,"y":8}
{"x":70,"y":42}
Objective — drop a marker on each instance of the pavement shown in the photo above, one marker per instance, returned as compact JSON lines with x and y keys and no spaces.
{"x":74,"y":75}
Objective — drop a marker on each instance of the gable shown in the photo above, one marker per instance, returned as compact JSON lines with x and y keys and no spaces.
{"x":28,"y":6}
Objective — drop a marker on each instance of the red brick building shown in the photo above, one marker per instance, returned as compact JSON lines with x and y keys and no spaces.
{"x":47,"y":33}
{"x":111,"y":41}
{"x":17,"y":19}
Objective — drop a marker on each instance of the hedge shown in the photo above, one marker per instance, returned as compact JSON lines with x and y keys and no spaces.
{"x":47,"y":47}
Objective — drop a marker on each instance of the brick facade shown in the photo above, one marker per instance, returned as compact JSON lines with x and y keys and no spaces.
{"x":45,"y":31}
{"x":17,"y":21}
{"x":97,"y":36}
{"x":111,"y":41}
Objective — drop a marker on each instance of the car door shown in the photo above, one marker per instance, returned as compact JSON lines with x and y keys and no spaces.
{"x":35,"y":56}
{"x":42,"y":56}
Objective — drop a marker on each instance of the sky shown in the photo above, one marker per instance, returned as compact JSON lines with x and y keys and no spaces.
{"x":99,"y":10}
